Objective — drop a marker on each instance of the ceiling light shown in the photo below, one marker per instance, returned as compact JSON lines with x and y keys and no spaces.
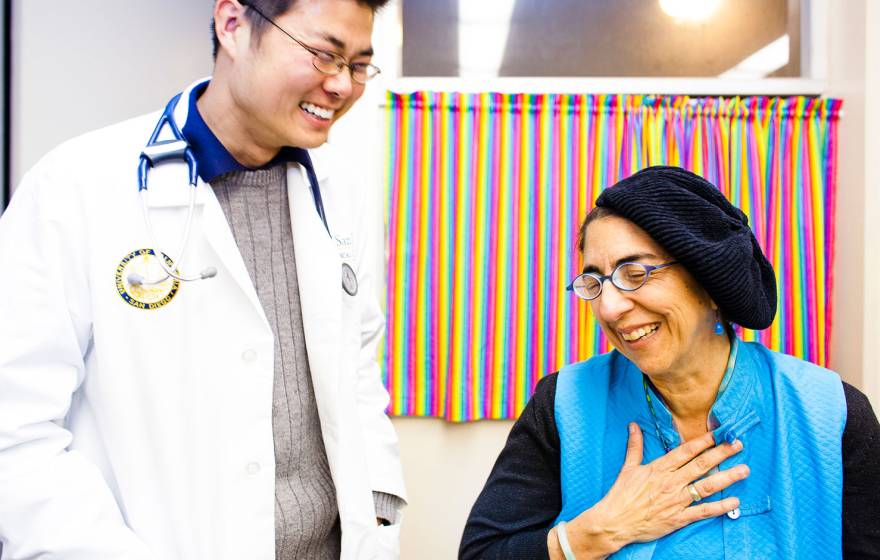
{"x":690,"y":10}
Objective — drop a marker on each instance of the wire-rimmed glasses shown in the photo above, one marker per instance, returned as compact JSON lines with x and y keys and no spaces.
{"x":324,"y":61}
{"x":628,"y":277}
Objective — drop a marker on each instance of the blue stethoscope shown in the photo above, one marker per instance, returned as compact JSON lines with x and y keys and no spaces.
{"x":177,"y":148}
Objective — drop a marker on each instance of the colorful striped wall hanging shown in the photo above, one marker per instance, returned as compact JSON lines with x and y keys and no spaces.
{"x":485,"y":195}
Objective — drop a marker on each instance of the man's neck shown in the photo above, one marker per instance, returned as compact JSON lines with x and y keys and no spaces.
{"x":219,"y":112}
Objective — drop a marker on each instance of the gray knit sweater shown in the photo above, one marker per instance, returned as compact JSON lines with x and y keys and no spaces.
{"x":306,"y":516}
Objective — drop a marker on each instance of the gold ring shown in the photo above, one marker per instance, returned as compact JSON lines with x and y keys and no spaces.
{"x":695,"y":494}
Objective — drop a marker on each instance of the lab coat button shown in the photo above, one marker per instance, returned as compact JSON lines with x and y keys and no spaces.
{"x":253,"y":468}
{"x":249,"y":355}
{"x":734,"y":514}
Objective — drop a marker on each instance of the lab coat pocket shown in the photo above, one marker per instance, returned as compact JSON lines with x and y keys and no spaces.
{"x":387,"y":540}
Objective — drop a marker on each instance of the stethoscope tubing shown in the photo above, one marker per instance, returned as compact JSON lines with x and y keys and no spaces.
{"x":155,"y":152}
{"x":158,"y":151}
{"x":209,"y":272}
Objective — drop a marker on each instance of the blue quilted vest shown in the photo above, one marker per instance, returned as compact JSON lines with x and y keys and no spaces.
{"x":788,"y":413}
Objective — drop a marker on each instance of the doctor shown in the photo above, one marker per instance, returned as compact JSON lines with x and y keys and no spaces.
{"x":223,"y":402}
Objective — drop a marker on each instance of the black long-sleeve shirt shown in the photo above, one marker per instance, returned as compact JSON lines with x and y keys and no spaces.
{"x":522,"y":497}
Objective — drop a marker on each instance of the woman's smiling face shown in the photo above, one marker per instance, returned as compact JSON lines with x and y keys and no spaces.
{"x":664,"y":326}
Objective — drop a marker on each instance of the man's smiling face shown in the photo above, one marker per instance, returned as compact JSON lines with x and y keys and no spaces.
{"x":283,"y":98}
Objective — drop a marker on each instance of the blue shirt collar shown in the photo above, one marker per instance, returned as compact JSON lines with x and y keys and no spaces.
{"x":730,"y":416}
{"x":214,"y":159}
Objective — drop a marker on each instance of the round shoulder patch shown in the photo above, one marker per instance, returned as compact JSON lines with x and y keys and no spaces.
{"x":137,"y":266}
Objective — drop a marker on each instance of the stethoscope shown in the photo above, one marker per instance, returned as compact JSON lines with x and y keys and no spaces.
{"x":177,"y":148}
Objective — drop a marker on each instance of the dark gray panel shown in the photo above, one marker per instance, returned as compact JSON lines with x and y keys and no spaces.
{"x":430,"y":37}
{"x":606,"y":38}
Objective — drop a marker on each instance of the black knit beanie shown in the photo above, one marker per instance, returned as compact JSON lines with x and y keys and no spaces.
{"x":702,"y":230}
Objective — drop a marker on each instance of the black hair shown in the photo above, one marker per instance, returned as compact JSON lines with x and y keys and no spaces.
{"x":597,"y":213}
{"x":273,"y":9}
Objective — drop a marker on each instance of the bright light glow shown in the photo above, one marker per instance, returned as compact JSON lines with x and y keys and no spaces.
{"x":690,"y":10}
{"x":761,"y":63}
{"x":483,"y":26}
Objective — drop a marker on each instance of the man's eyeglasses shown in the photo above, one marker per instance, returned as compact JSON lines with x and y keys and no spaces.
{"x":627,"y":277}
{"x":324,"y":61}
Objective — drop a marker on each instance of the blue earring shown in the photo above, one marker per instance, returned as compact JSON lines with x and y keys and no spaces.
{"x":719,"y":328}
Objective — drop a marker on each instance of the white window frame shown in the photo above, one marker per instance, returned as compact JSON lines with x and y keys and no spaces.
{"x":389,"y":40}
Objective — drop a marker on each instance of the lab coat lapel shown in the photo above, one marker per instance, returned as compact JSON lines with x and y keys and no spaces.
{"x":169,"y":190}
{"x":219,"y":235}
{"x":318,"y":271}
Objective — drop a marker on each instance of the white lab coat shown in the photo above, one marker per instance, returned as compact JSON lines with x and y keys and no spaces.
{"x":147,"y":434}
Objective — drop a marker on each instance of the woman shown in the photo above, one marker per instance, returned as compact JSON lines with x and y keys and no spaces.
{"x":597,"y":467}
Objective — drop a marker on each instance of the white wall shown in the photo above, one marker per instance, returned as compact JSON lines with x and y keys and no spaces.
{"x":445,"y":466}
{"x":854,"y":76}
{"x":82,"y":65}
{"x":870,"y":381}
{"x":847,"y":59}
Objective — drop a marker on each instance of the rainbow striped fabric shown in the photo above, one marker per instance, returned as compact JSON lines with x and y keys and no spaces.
{"x":485,"y":195}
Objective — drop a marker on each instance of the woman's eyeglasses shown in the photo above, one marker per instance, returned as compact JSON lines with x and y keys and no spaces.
{"x":627,"y":277}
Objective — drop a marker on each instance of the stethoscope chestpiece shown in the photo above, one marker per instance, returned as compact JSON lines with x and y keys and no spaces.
{"x":135,"y":279}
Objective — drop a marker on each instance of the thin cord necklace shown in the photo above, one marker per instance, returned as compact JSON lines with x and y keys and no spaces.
{"x":725,"y":381}
{"x":650,"y":401}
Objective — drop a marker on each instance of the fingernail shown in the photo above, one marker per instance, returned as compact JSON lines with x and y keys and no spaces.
{"x":744,"y":470}
{"x":737,"y":444}
{"x":632,"y":428}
